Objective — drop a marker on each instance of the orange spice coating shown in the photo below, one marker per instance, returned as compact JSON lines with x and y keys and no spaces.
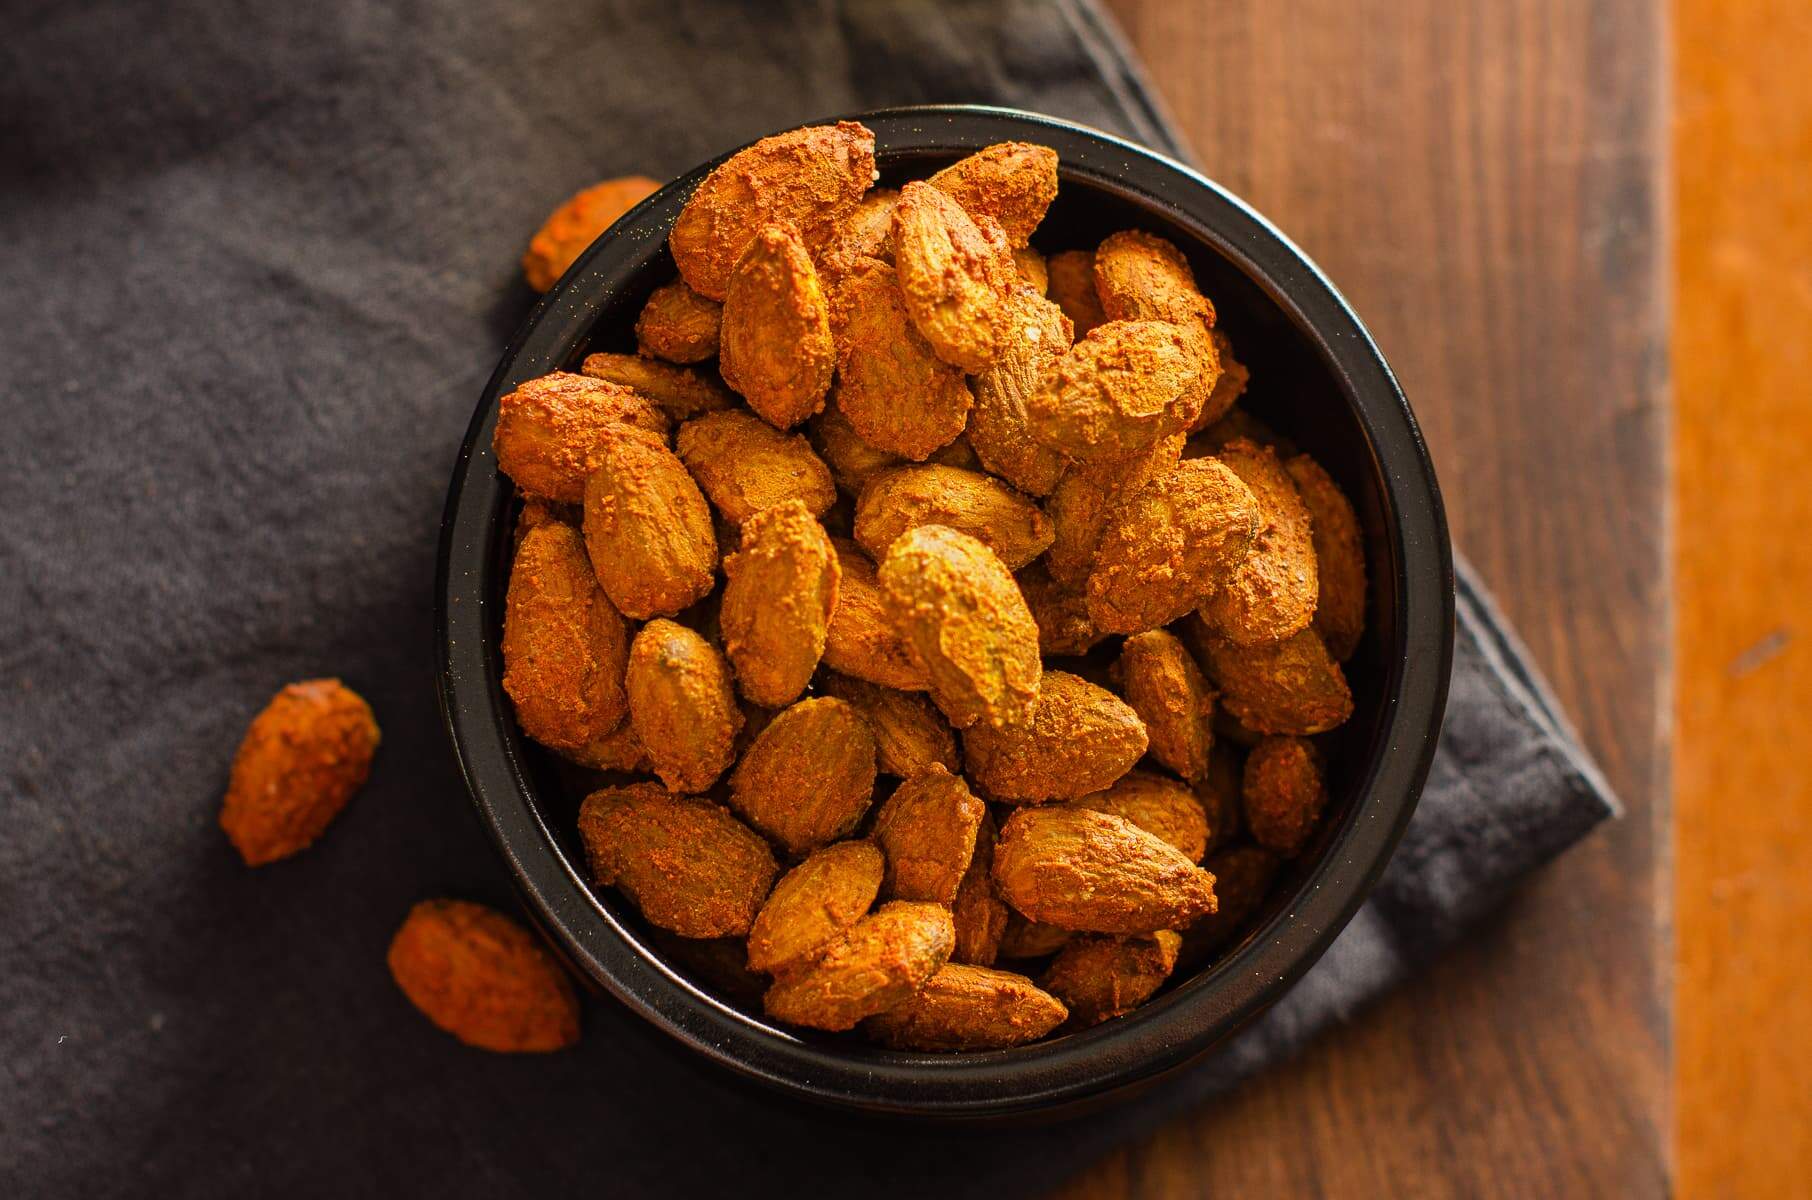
{"x":1101,"y":978}
{"x":1169,"y":692}
{"x":1072,"y":286}
{"x":1283,"y":793}
{"x":1080,"y":739}
{"x":1339,"y":557}
{"x":1022,"y":939}
{"x":852,"y":461}
{"x":301,"y":760}
{"x":549,"y":431}
{"x":862,"y":641}
{"x":977,"y":504}
{"x":536,"y":513}
{"x":570,"y":229}
{"x":1061,"y":613}
{"x":647,"y":527}
{"x":1229,"y":385}
{"x":968,"y":1008}
{"x":807,"y":178}
{"x":814,"y":903}
{"x":678,"y":325}
{"x":1080,"y":504}
{"x":966,"y":624}
{"x":754,"y":719}
{"x":866,"y":232}
{"x":1140,"y":276}
{"x":564,"y":645}
{"x":880,"y":962}
{"x":955,"y":277}
{"x":1033,"y":270}
{"x":1158,"y":805}
{"x":892,"y":388}
{"x":620,"y":749}
{"x":1037,"y":335}
{"x":1011,"y":182}
{"x":780,"y":591}
{"x":1193,"y":402}
{"x":911,"y":736}
{"x":776,"y":349}
{"x":978,"y":912}
{"x":1091,"y":872}
{"x":1289,"y":687}
{"x":1116,"y":391}
{"x":688,"y":864}
{"x":483,"y":978}
{"x":1170,"y":543}
{"x":959,"y":454}
{"x":927,"y":830}
{"x":1272,"y":593}
{"x":744,"y":465}
{"x":682,"y":705}
{"x":680,"y":392}
{"x":809,"y":777}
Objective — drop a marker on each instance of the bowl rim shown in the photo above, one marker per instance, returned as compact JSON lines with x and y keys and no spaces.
{"x":1195,"y":1015}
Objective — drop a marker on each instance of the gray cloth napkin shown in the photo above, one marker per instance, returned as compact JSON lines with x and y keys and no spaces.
{"x":258,"y":260}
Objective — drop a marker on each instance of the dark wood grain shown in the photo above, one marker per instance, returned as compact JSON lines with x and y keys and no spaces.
{"x":1483,"y":180}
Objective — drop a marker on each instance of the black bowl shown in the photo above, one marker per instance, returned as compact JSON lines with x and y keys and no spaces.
{"x":1317,"y":377}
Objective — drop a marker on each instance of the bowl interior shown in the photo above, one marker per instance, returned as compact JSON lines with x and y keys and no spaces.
{"x":1298,"y":386}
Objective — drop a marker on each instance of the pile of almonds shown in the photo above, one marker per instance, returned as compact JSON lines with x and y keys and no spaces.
{"x":1027,"y":509}
{"x":952,"y":648}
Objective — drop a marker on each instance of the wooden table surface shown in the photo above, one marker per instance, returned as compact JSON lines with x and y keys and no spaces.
{"x":1484,"y":180}
{"x":1743,"y":439}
